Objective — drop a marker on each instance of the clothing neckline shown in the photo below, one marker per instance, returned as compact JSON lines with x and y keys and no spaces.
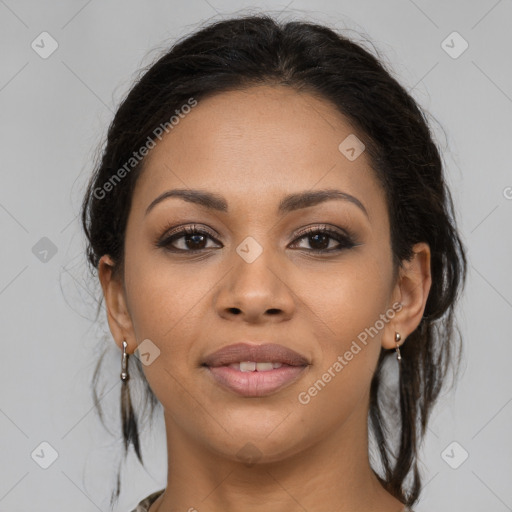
{"x":143,"y":506}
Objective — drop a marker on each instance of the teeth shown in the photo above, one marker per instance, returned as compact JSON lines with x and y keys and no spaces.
{"x":264,"y":367}
{"x":251,"y":366}
{"x":248,"y":366}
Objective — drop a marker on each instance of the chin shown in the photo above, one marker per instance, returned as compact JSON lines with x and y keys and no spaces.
{"x":260,"y":442}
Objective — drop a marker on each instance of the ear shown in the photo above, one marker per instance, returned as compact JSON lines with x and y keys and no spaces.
{"x":411,"y":290}
{"x":119,"y":319}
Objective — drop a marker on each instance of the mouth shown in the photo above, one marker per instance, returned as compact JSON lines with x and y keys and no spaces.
{"x":255,"y":370}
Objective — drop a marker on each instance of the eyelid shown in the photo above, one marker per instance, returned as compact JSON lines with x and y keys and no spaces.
{"x":327,"y":227}
{"x":171,"y":229}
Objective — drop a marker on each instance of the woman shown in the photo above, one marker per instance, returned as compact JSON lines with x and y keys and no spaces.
{"x":274,"y":237}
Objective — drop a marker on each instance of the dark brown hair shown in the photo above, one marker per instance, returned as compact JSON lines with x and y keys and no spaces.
{"x":251,"y":50}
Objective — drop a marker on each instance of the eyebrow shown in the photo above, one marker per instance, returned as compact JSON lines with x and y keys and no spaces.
{"x":288,"y":204}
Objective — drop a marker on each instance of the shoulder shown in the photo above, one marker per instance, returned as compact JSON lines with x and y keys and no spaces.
{"x":144,"y":505}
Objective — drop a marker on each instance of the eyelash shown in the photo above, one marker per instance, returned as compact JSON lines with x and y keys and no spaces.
{"x":345,"y":241}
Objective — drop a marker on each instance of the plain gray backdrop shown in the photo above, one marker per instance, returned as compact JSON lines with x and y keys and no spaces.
{"x":58,"y":92}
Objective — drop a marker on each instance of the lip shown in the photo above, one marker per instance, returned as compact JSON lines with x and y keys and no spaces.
{"x":255,"y":383}
{"x":269,"y":352}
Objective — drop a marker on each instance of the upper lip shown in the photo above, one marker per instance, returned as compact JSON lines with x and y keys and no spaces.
{"x":269,"y":352}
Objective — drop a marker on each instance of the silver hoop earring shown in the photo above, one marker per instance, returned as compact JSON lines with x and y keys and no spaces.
{"x":128,"y":417}
{"x":397,"y":339}
{"x":124,"y":363}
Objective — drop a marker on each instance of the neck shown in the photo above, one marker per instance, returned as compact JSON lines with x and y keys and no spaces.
{"x":332,"y":474}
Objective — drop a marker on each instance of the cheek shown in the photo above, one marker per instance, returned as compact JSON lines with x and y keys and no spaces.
{"x":162,"y":294}
{"x":348,"y":298}
{"x":166,"y":309}
{"x":347,"y":314}
{"x":166,"y":304}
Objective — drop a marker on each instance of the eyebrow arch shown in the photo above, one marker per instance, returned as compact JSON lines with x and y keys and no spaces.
{"x":311,"y":198}
{"x":289,"y":203}
{"x":200,"y":197}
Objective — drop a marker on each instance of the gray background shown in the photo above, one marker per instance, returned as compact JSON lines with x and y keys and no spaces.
{"x":54,"y":113}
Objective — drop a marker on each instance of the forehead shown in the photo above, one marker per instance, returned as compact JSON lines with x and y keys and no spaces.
{"x":253,"y":144}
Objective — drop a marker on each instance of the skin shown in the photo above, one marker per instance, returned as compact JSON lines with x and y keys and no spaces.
{"x":254,"y":147}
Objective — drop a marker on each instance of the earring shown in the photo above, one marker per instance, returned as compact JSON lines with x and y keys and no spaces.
{"x":397,"y":339}
{"x":124,"y":363}
{"x":128,"y":416}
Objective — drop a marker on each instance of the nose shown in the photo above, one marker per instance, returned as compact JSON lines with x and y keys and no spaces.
{"x":256,"y":292}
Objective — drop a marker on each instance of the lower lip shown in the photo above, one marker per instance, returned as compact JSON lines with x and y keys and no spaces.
{"x":254,"y":384}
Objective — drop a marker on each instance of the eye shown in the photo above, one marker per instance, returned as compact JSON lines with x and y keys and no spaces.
{"x":320,"y":238}
{"x":194,"y":239}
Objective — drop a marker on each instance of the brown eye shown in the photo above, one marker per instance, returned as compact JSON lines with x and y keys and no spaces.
{"x":320,"y":240}
{"x":189,"y":239}
{"x":195,"y":241}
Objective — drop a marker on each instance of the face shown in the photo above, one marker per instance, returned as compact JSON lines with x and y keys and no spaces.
{"x":259,"y":265}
